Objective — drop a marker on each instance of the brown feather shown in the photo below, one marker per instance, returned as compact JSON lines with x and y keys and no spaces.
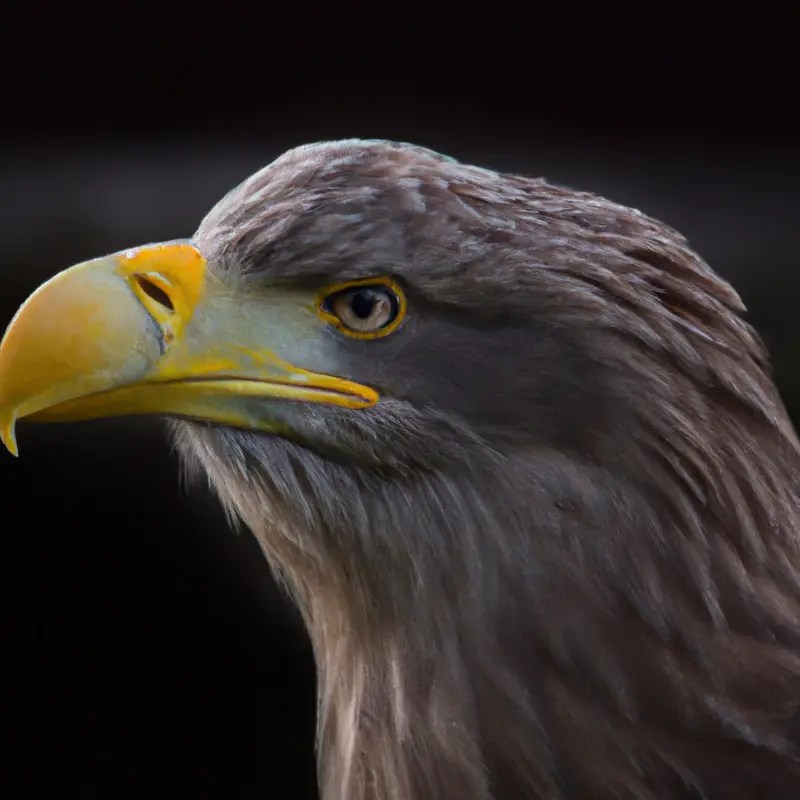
{"x":559,"y":559}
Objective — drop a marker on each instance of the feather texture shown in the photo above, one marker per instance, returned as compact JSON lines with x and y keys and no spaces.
{"x":559,"y":559}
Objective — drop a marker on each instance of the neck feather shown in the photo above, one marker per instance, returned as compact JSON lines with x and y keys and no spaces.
{"x":534,"y":626}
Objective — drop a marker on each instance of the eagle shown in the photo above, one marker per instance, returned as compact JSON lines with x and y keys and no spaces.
{"x":513,"y":449}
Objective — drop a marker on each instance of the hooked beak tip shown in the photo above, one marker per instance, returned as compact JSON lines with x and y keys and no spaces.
{"x":8,"y":434}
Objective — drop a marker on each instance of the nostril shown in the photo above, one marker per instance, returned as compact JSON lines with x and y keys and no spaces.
{"x":154,"y":292}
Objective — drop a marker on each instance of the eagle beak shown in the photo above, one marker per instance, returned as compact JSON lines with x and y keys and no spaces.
{"x":151,"y":331}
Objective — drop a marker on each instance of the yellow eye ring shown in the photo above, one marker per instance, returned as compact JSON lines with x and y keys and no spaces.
{"x":369,"y":308}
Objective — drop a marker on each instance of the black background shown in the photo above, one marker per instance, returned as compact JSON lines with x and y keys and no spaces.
{"x":144,"y":646}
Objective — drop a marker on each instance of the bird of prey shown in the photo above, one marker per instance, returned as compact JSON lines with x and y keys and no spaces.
{"x":512,"y":448}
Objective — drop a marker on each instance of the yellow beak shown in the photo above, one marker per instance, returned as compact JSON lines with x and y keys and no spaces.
{"x":151,"y":331}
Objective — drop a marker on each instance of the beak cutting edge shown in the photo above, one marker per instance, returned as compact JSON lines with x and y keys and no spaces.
{"x":148,"y":331}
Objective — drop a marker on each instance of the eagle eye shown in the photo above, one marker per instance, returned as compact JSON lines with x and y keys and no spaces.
{"x":364,"y":309}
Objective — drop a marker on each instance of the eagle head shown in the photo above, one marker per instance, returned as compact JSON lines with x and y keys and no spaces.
{"x":511,"y":447}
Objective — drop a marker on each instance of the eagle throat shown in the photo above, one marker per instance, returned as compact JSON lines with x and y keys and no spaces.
{"x":472,"y":626}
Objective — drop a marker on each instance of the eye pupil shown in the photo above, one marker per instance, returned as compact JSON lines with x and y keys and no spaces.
{"x":362,"y":303}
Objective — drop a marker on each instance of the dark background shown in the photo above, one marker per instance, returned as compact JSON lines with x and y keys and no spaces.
{"x":144,"y":646}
